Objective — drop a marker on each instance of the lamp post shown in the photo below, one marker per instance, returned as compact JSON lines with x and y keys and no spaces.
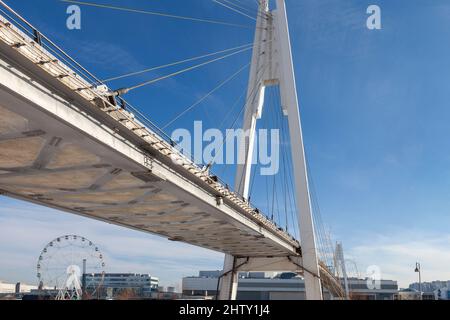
{"x":420,"y":278}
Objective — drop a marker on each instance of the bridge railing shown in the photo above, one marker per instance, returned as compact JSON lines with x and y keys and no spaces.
{"x":44,"y":41}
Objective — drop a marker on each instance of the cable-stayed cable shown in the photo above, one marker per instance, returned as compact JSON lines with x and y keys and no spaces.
{"x":154,"y":13}
{"x":135,"y":73}
{"x":240,"y":6}
{"x":145,"y":83}
{"x":250,"y":97}
{"x":233,"y":9}
{"x":220,"y":85}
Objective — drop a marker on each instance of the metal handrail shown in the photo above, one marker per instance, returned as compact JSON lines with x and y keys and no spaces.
{"x":39,"y":37}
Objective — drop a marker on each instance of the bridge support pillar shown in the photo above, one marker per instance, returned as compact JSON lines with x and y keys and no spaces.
{"x":229,"y":279}
{"x":233,"y":265}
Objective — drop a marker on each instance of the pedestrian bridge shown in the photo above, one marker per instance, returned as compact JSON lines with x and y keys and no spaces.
{"x":66,"y":145}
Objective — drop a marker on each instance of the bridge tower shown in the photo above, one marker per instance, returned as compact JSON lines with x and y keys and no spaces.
{"x":340,"y":263}
{"x":272,"y":65}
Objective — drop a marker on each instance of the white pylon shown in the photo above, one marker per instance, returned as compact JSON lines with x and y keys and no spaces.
{"x":272,"y":65}
{"x":340,"y":263}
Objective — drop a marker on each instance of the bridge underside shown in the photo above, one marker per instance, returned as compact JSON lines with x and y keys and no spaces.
{"x":59,"y":168}
{"x":50,"y":162}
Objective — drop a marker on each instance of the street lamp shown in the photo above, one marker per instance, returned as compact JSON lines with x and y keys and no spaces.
{"x":420,"y":278}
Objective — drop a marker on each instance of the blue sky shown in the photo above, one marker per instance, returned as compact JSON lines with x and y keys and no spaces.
{"x":375,"y":116}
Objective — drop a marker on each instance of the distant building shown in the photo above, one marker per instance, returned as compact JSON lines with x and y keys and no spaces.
{"x":283,"y":286}
{"x":408,"y":294}
{"x":124,"y":285}
{"x":210,"y":274}
{"x":359,"y":290}
{"x":430,"y":286}
{"x":15,"y":288}
{"x":431,"y":290}
{"x":442,"y":293}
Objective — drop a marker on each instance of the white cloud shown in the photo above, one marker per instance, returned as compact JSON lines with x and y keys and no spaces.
{"x":396,"y":253}
{"x":25,"y":229}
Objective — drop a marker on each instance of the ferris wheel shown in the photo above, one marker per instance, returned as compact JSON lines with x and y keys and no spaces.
{"x":72,"y":266}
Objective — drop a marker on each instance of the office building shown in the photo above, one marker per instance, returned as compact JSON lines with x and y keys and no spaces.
{"x":282,"y":286}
